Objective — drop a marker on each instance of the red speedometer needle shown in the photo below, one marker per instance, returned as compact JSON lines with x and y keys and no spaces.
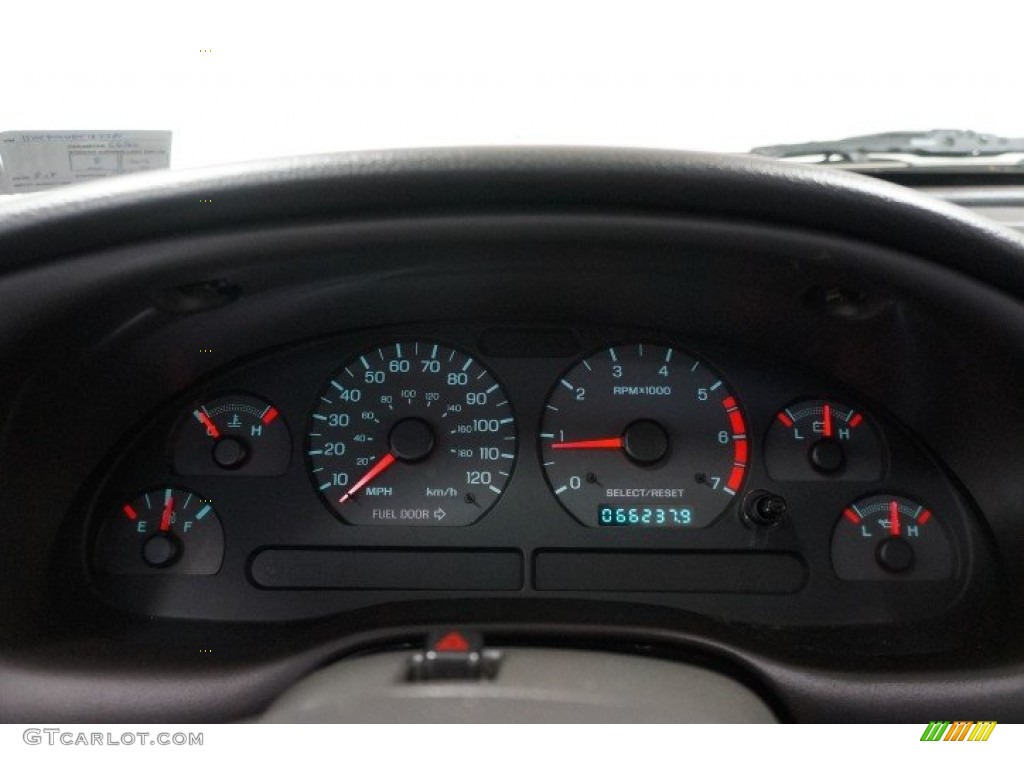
{"x":827,"y":427}
{"x":211,"y":428}
{"x":602,"y":443}
{"x":894,"y":518}
{"x":386,"y":461}
{"x":165,"y":518}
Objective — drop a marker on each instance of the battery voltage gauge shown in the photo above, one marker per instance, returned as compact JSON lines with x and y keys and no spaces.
{"x":823,"y":440}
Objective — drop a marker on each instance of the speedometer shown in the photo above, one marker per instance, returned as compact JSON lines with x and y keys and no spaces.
{"x":411,"y":433}
{"x":644,"y":436}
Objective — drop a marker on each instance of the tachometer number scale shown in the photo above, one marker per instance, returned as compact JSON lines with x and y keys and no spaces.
{"x":644,"y":436}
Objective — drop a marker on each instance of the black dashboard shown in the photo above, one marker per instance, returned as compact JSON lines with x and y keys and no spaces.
{"x":687,"y":406}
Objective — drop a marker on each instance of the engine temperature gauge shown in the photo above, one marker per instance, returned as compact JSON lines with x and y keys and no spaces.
{"x":234,"y":434}
{"x":822,"y":439}
{"x":886,"y":536}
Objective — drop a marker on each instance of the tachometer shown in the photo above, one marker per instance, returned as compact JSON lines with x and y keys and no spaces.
{"x":644,"y":436}
{"x":411,"y":433}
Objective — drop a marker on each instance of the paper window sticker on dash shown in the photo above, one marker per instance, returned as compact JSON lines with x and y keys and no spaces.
{"x":32,"y":161}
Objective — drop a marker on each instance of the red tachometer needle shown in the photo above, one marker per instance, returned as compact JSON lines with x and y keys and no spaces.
{"x":386,"y":461}
{"x":827,"y":428}
{"x":211,"y":428}
{"x":610,"y":442}
{"x":894,"y":518}
{"x":165,"y":518}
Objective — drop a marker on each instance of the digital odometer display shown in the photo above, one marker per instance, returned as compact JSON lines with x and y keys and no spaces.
{"x":644,"y":517}
{"x":411,"y":433}
{"x":643,"y":435}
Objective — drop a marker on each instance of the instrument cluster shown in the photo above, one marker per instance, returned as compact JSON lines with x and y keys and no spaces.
{"x":524,"y":461}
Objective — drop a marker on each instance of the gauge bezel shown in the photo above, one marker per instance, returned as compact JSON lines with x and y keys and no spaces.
{"x":869,"y":421}
{"x":205,"y":397}
{"x":736,"y":494}
{"x":103,"y":523}
{"x":956,"y":563}
{"x":391,"y":341}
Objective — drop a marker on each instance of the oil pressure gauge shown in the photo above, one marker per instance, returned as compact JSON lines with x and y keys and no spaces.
{"x":886,"y":536}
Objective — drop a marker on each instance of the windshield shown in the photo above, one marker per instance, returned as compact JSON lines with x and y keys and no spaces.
{"x":238,"y":81}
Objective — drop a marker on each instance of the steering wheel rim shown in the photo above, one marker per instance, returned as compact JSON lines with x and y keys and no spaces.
{"x":369,"y":185}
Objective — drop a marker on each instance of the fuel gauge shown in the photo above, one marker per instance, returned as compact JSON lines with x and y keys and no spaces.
{"x":821,"y":440}
{"x":170,"y":530}
{"x":232,"y":435}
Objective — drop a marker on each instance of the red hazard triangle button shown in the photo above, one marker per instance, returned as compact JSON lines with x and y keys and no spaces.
{"x":454,"y":641}
{"x":454,"y":654}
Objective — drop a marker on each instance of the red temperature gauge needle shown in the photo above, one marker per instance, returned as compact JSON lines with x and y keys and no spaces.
{"x":827,"y":427}
{"x":385,"y":462}
{"x":603,"y":443}
{"x":211,"y":428}
{"x":894,"y":518}
{"x":165,"y":518}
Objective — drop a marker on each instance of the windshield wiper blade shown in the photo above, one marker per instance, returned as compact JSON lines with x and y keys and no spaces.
{"x":937,"y":143}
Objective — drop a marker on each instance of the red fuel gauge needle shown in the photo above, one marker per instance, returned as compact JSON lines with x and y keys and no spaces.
{"x":827,"y":417}
{"x":386,"y":461}
{"x":894,"y":518}
{"x":165,"y":518}
{"x":602,"y":443}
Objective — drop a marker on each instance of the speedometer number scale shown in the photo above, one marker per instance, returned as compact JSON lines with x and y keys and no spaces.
{"x":411,"y":433}
{"x":644,"y":436}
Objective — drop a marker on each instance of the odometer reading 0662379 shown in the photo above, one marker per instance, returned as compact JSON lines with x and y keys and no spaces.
{"x":411,"y":433}
{"x":643,"y":436}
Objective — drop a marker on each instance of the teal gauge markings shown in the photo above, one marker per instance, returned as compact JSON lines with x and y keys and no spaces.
{"x":411,"y":433}
{"x":164,"y":530}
